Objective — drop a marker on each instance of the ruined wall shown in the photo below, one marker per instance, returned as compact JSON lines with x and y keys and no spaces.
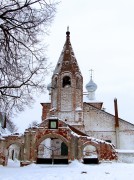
{"x":126,"y":156}
{"x":12,"y":142}
{"x":126,"y":132}
{"x":105,"y":151}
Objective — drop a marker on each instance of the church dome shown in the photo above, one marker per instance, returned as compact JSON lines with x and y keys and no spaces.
{"x":91,"y":86}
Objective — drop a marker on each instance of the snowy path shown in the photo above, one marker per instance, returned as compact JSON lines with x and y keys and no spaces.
{"x":73,"y":171}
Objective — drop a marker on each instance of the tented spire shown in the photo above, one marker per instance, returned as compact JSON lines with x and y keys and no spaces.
{"x":67,"y":60}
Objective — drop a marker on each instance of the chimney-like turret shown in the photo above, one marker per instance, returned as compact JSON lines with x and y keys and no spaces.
{"x":116,"y":113}
{"x":116,"y":124}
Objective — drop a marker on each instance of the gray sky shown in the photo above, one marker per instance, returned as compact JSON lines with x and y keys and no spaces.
{"x":102,"y":37}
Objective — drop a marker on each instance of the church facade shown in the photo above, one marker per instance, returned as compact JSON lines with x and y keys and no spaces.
{"x":73,"y":126}
{"x":81,"y":110}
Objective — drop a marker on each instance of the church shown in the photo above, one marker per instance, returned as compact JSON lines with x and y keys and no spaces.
{"x":81,"y":110}
{"x":74,"y":125}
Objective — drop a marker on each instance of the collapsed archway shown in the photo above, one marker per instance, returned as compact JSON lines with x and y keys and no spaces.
{"x":52,"y":150}
{"x":13,"y":153}
{"x":90,"y":155}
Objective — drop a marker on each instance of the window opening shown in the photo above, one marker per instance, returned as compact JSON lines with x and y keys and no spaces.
{"x":66,"y":81}
{"x":109,"y":141}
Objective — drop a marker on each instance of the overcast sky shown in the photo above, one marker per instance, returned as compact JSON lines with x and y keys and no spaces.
{"x":102,"y":37}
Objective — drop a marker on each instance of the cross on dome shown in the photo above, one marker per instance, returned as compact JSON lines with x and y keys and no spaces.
{"x":91,"y":72}
{"x":91,"y":87}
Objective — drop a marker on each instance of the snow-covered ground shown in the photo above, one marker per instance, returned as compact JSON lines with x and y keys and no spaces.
{"x":73,"y":171}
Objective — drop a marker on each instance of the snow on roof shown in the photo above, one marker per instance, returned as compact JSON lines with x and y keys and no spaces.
{"x":98,"y":140}
{"x":124,"y":151}
{"x":75,"y":123}
{"x":76,"y":132}
{"x":52,"y":109}
{"x":4,"y":131}
{"x":53,"y":117}
{"x":86,"y":98}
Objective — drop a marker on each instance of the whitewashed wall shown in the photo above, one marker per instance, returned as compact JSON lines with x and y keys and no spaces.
{"x":101,"y":125}
{"x":125,"y":156}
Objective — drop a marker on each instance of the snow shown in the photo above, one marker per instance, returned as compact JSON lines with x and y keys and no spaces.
{"x":78,"y":109}
{"x":86,"y":98}
{"x":4,"y":132}
{"x":74,"y":171}
{"x":124,"y":151}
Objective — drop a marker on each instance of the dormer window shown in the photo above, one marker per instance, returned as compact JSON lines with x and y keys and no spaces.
{"x":53,"y":124}
{"x":66,"y":81}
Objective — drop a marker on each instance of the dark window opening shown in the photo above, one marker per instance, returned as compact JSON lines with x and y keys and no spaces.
{"x":64,"y":149}
{"x":12,"y":154}
{"x":109,"y":141}
{"x":66,"y":81}
{"x":90,"y":160}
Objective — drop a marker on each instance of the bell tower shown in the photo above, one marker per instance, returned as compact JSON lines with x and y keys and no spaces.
{"x":67,"y":86}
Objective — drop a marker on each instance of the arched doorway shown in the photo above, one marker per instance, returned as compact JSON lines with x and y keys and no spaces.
{"x":90,"y":155}
{"x":52,"y":151}
{"x":14,"y":153}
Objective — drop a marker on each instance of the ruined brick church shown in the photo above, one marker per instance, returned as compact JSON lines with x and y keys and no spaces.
{"x":74,"y":125}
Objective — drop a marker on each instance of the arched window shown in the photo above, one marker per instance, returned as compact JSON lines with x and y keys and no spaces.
{"x":13,"y":154}
{"x":66,"y":81}
{"x":77,"y":83}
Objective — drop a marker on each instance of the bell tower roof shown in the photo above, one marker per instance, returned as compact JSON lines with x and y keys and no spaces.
{"x":67,"y":60}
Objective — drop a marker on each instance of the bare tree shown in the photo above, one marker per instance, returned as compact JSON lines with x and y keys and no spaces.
{"x":23,"y":66}
{"x":7,"y":123}
{"x":11,"y":126}
{"x":33,"y":124}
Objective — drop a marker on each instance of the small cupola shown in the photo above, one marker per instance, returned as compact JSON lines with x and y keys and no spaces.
{"x":49,"y":86}
{"x":91,"y":88}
